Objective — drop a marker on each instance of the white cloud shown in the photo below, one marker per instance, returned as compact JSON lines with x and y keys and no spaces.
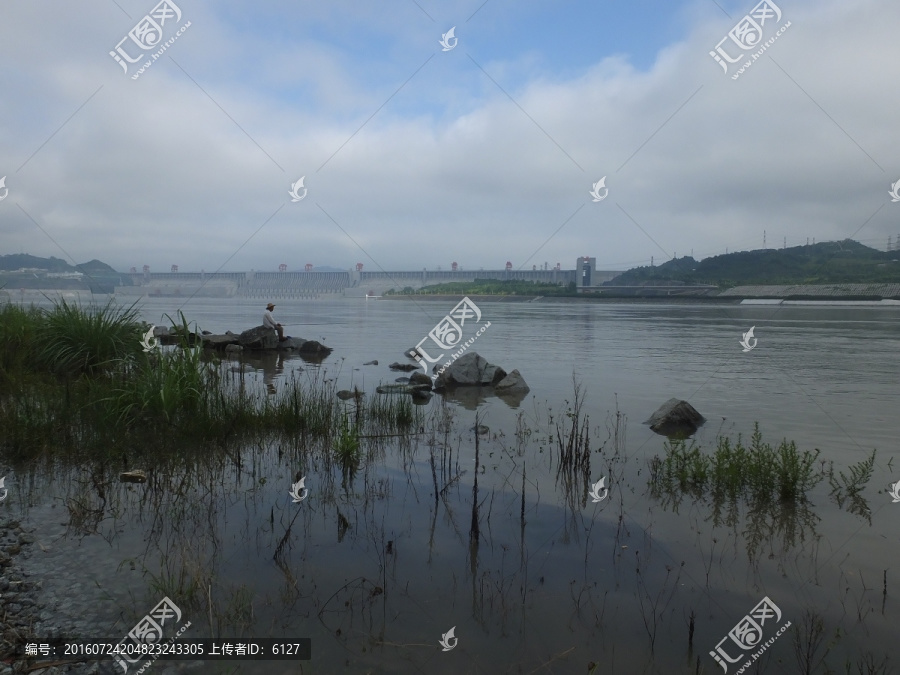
{"x":153,"y":171}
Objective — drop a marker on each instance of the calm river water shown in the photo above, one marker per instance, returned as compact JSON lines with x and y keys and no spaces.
{"x":379,"y":570}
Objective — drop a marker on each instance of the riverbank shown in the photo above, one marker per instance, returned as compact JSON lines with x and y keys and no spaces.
{"x":20,"y":611}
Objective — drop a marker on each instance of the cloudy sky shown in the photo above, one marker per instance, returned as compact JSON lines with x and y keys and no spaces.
{"x":413,"y":156}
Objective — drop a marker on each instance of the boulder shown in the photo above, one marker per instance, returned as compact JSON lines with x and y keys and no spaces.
{"x":675,"y":416}
{"x":219,"y":341}
{"x":371,"y":363}
{"x":260,"y":337}
{"x":314,"y":347}
{"x":420,"y":378}
{"x":512,"y":384}
{"x":233,"y":349}
{"x":160,"y":331}
{"x":469,"y":370}
{"x":405,"y":367}
{"x":402,"y":380}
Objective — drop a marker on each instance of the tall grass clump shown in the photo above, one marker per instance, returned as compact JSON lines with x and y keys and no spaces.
{"x":73,"y":340}
{"x":392,"y":413}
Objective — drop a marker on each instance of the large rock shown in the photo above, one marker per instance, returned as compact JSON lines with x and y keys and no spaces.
{"x":512,"y":384}
{"x":469,"y":370}
{"x":675,"y":416}
{"x":260,"y":337}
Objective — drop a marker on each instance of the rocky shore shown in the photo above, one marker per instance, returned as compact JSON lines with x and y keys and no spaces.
{"x":22,"y":619}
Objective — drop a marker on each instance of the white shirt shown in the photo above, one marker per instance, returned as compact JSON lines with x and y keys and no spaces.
{"x":269,"y":320}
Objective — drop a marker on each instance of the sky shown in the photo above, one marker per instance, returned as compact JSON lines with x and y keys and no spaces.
{"x":415,"y":156}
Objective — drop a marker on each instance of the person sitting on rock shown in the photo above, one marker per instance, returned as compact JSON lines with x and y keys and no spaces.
{"x":269,"y":322}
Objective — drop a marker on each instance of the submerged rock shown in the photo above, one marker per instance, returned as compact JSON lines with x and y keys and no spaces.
{"x":420,"y":378}
{"x":346,"y":395}
{"x":371,"y":363}
{"x":406,"y":367}
{"x":135,"y":476}
{"x":220,"y":341}
{"x":512,"y":384}
{"x":313,"y":347}
{"x":403,"y":388}
{"x":675,"y":416}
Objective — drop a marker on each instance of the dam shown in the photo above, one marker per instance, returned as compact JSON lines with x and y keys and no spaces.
{"x":355,"y":282}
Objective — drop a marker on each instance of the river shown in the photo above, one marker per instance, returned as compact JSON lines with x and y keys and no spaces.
{"x":549,"y":585}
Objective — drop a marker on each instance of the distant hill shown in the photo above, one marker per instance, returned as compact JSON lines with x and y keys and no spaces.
{"x":17,"y":261}
{"x":53,"y":273}
{"x":828,"y":262}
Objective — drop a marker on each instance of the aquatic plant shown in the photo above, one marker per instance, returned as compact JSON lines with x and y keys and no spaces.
{"x":758,"y":472}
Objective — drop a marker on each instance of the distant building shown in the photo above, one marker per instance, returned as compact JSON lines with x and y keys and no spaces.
{"x":587,"y":268}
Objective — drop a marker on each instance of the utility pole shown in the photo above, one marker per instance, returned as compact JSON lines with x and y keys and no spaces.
{"x":807,"y":241}
{"x":784,"y":245}
{"x":651,"y":261}
{"x":889,"y":244}
{"x":764,"y":238}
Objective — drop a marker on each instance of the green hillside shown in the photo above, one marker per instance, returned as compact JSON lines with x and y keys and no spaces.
{"x":829,"y":262}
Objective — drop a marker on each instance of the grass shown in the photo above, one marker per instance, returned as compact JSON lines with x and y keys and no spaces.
{"x":760,"y":472}
{"x":77,"y":379}
{"x":72,"y":340}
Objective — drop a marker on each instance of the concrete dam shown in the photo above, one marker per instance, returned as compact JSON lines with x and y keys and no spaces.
{"x":350,"y":283}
